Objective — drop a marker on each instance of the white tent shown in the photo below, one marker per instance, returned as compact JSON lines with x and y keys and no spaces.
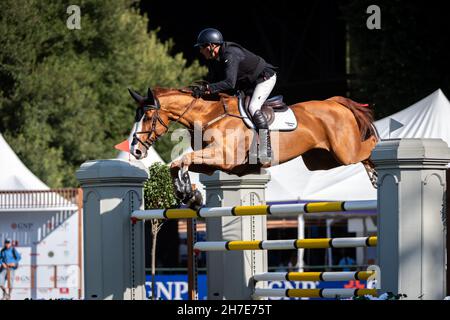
{"x":14,"y":175}
{"x":45,"y":227}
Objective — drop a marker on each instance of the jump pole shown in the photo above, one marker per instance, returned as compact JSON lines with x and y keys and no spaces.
{"x":258,"y":210}
{"x":286,"y":244}
{"x":314,"y":276}
{"x":191,"y":238}
{"x":314,"y":293}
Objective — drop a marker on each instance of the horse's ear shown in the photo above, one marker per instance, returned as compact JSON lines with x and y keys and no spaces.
{"x":150,"y":94}
{"x":136,"y":96}
{"x":150,"y":99}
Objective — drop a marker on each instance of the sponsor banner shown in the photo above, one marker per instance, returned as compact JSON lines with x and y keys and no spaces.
{"x":175,"y":287}
{"x":44,"y":294}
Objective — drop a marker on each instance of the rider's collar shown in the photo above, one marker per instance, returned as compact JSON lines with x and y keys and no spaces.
{"x":220,"y":53}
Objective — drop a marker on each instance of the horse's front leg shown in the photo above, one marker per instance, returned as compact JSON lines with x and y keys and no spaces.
{"x":181,"y":181}
{"x":182,"y":184}
{"x":203,"y":161}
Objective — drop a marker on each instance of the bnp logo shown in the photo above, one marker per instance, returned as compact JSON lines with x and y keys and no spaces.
{"x":22,"y":226}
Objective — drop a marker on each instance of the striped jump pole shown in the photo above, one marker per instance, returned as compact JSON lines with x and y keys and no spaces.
{"x":315,"y":293}
{"x":286,"y":244}
{"x":314,"y":276}
{"x":261,"y":210}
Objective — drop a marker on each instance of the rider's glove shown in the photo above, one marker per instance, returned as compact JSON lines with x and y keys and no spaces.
{"x":199,"y":91}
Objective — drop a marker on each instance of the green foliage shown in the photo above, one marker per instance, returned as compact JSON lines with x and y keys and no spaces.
{"x":63,"y":93}
{"x":158,"y":189}
{"x":402,"y":62}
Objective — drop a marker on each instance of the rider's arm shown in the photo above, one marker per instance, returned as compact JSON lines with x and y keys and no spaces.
{"x":231,"y":62}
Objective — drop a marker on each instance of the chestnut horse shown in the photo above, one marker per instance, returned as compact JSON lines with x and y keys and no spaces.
{"x":330,"y":133}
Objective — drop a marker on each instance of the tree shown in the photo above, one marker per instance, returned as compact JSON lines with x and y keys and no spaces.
{"x":403,"y":61}
{"x":158,"y":193}
{"x":63,"y":93}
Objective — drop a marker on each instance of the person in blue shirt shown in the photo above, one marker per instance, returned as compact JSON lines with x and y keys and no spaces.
{"x":346,"y":261}
{"x":9,"y":262}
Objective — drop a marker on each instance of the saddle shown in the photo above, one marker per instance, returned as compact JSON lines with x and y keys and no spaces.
{"x":269,"y":107}
{"x":279,"y":116}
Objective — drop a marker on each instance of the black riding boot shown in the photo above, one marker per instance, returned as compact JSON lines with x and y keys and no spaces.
{"x":265,"y":149}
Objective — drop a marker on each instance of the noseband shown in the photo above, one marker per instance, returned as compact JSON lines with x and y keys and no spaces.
{"x":140,"y":112}
{"x":156,"y":117}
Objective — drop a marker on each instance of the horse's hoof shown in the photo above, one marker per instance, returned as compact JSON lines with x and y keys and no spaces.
{"x":196,"y":201}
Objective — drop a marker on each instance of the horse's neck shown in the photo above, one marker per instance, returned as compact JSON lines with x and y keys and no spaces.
{"x":188,"y":112}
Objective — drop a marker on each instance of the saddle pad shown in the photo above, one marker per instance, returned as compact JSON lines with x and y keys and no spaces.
{"x":283,"y":121}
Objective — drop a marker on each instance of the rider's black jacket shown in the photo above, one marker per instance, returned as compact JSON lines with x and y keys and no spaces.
{"x":237,"y":69}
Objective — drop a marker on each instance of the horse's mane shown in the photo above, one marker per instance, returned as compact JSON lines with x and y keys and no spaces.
{"x":161,"y":92}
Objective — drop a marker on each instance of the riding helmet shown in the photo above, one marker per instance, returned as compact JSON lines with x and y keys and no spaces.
{"x":209,"y":35}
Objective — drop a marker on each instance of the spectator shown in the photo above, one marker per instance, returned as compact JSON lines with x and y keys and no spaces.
{"x":346,"y":261}
{"x":9,"y":260}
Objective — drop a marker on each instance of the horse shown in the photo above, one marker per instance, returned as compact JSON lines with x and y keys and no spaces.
{"x":330,"y":133}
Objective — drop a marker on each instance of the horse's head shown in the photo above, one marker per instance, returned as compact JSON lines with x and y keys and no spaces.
{"x":150,"y":123}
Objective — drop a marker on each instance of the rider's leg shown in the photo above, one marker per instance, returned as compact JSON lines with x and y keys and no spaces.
{"x":260,"y":95}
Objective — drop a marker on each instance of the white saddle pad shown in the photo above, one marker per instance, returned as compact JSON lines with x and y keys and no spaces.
{"x":283,"y":121}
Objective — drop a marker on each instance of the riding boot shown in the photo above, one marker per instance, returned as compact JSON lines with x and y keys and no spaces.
{"x":265,"y":150}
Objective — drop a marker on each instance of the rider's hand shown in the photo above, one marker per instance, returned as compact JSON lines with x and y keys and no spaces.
{"x":199,"y":91}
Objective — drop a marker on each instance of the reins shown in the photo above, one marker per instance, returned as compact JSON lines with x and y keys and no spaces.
{"x":157,"y":118}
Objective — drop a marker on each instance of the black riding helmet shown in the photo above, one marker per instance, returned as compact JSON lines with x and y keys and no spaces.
{"x":209,"y":35}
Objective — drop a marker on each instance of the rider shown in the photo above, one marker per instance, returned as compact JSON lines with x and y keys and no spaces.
{"x":232,"y":67}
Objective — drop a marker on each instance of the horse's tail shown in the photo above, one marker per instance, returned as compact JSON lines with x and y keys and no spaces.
{"x":363,"y":115}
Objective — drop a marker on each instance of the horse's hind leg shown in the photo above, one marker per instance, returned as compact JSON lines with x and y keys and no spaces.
{"x":371,"y":172}
{"x":355,"y":151}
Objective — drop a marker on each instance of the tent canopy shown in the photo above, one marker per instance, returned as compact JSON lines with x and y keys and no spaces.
{"x":14,"y":175}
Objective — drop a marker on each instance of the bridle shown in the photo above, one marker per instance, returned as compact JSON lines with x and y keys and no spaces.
{"x":152,"y":136}
{"x":156,"y":117}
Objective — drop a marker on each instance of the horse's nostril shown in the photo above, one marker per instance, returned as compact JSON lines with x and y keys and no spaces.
{"x":137,"y":152}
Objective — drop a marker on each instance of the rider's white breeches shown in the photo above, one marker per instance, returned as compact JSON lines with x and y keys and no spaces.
{"x":261,"y":93}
